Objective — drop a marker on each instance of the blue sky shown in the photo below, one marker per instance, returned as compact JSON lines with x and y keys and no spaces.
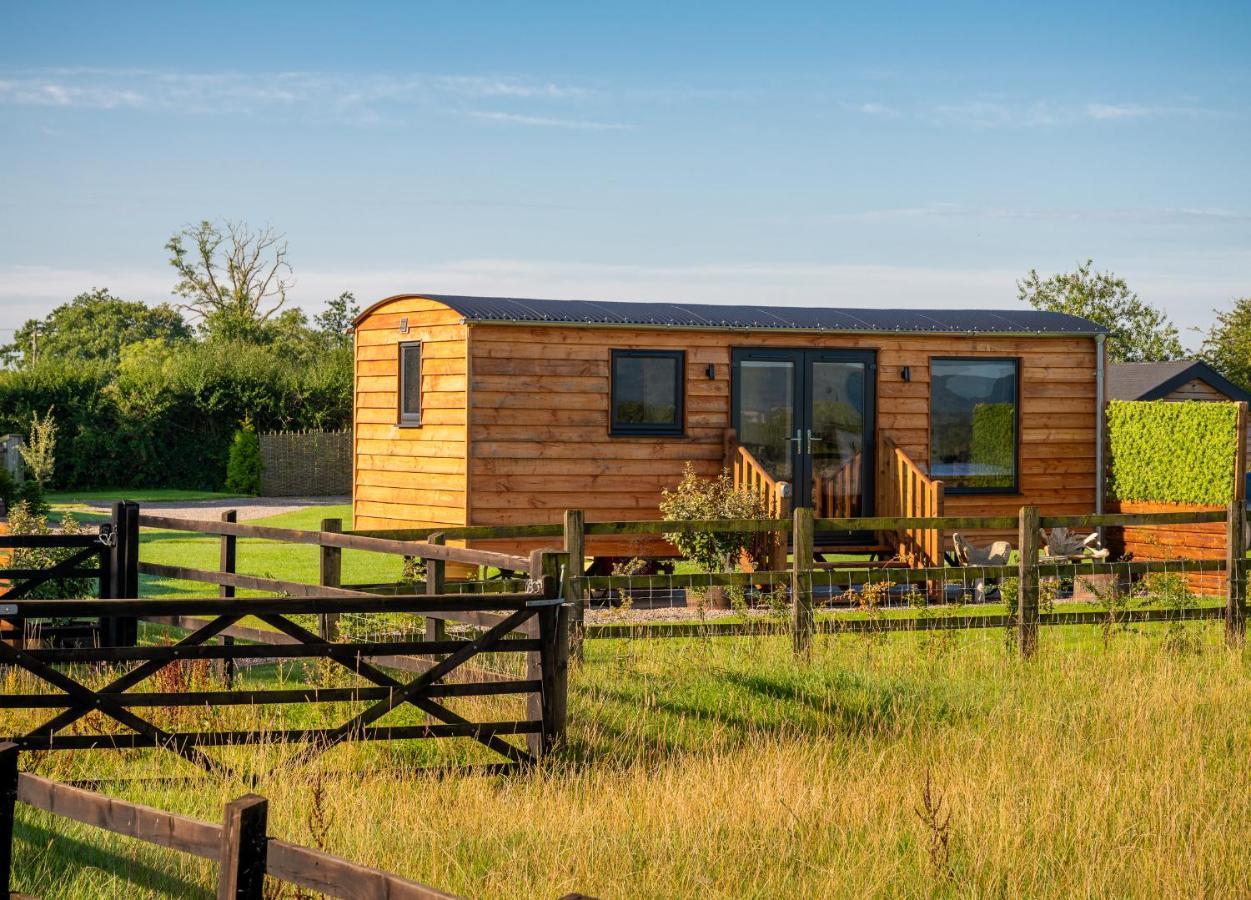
{"x":812,"y":154}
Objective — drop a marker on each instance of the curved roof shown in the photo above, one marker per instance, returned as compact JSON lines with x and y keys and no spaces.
{"x":512,"y":310}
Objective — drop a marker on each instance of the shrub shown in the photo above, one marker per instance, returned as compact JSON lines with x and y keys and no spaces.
{"x":25,"y":520}
{"x":39,"y":450}
{"x":243,"y":469}
{"x":710,"y":498}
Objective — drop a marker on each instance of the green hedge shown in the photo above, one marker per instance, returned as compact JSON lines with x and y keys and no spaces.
{"x":165,"y":417}
{"x":1166,"y":452}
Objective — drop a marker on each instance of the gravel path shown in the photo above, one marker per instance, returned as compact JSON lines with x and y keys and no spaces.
{"x":247,"y":507}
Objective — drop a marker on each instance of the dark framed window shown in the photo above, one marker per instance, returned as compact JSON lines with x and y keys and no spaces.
{"x":410,"y":383}
{"x":647,"y":391}
{"x":975,"y":424}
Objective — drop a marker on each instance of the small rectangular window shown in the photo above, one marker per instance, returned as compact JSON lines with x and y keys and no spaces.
{"x":647,"y":391}
{"x":410,"y":384}
{"x":974,"y":424}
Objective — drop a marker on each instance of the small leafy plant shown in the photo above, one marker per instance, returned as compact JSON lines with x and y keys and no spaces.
{"x":698,"y":498}
{"x":243,"y":467}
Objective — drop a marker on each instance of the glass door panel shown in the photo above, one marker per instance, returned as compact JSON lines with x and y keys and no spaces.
{"x":766,"y":414}
{"x":836,"y":449}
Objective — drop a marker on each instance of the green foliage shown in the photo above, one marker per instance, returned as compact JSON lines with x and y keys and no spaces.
{"x":164,"y":416}
{"x":243,"y":469}
{"x":1227,"y":346}
{"x":94,"y":326}
{"x":994,"y":444}
{"x":23,"y":519}
{"x":1172,"y":452}
{"x":710,"y":498}
{"x":1138,"y":332}
{"x":39,"y":449}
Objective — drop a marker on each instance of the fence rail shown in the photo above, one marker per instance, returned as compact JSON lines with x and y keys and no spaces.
{"x":245,"y":853}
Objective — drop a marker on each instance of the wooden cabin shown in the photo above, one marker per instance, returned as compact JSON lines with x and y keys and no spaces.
{"x":492,"y":411}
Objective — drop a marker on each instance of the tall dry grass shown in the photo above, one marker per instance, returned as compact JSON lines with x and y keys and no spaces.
{"x":725,"y":768}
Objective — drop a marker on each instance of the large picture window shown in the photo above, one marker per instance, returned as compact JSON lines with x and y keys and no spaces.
{"x":973,"y":424}
{"x":647,"y":389}
{"x":410,"y":384}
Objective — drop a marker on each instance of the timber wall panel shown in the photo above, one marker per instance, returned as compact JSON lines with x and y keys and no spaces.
{"x":410,"y":476}
{"x":538,"y":420}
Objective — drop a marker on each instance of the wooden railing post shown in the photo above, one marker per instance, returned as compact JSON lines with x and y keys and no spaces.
{"x":436,"y":583}
{"x":1027,"y":582}
{"x":1236,"y":573}
{"x":243,"y":849}
{"x":330,"y":574}
{"x":802,"y":624}
{"x":227,"y":564}
{"x":8,"y":809}
{"x":575,"y":546}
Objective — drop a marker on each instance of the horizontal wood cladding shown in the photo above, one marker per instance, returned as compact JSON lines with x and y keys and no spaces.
{"x":411,"y":475}
{"x":1204,"y":540}
{"x":538,"y":417}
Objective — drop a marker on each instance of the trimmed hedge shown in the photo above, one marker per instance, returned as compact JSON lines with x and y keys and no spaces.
{"x":165,"y":417}
{"x":1168,"y":452}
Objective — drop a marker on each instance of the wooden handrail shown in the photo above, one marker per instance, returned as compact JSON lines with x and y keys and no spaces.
{"x":750,"y":474}
{"x":906,"y":491}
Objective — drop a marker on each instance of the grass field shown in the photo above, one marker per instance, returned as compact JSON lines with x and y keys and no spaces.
{"x":719,"y":768}
{"x":1109,"y":765}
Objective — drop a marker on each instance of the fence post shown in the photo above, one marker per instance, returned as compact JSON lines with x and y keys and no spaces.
{"x":227,"y":563}
{"x":550,"y":665}
{"x":124,"y":571}
{"x":243,"y":849}
{"x":436,"y":583}
{"x":575,"y":546}
{"x":802,"y":624}
{"x":1027,"y":582}
{"x":1236,"y":573}
{"x":8,"y":804}
{"x":330,"y":574}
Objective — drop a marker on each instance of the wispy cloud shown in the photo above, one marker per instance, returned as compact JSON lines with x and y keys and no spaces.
{"x":367,"y":97}
{"x":1005,"y":112}
{"x":546,"y":121}
{"x":1115,"y":111}
{"x":873,"y":109}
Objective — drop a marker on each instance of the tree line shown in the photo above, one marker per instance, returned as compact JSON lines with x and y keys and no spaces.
{"x":152,"y":395}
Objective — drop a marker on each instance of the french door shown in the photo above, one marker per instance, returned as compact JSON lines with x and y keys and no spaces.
{"x":807,"y":416}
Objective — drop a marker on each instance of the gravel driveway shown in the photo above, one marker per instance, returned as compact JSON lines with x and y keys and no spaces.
{"x":247,"y":507}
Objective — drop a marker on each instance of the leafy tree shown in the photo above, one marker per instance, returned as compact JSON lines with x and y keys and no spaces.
{"x":1227,"y":345}
{"x":335,"y":322}
{"x":1138,"y":332}
{"x":234,"y":279}
{"x":94,"y":325}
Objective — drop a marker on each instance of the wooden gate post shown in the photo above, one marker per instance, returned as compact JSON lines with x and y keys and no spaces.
{"x":436,"y":583}
{"x":575,"y":546}
{"x":1027,"y":582}
{"x":550,"y":665}
{"x":124,"y":572}
{"x":330,"y":574}
{"x":8,"y":804}
{"x":802,"y":624}
{"x":243,"y":850}
{"x":1236,"y":573}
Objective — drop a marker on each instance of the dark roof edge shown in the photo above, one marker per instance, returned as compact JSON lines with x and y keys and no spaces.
{"x":1200,"y":370}
{"x":446,"y":300}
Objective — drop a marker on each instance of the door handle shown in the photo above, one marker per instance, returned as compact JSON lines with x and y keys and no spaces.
{"x":798,"y":440}
{"x":811,"y":439}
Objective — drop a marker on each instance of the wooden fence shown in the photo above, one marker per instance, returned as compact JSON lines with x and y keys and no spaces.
{"x":241,"y":846}
{"x":541,"y":618}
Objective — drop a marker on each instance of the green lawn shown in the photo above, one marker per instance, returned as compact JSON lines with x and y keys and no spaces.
{"x":155,"y":495}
